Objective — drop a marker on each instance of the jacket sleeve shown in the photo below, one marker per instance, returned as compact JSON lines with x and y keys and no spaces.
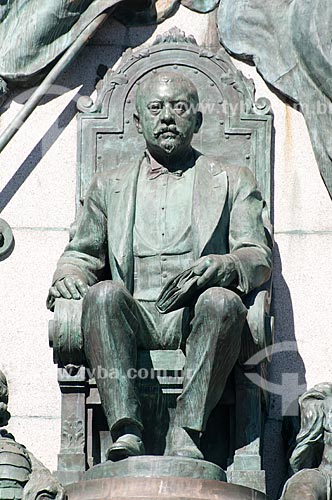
{"x":85,"y":255}
{"x":249,"y":240}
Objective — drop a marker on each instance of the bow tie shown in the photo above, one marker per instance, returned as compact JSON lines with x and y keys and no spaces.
{"x":155,"y":169}
{"x":153,"y":173}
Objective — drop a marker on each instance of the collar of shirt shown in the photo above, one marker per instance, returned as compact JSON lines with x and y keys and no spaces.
{"x":155,"y":168}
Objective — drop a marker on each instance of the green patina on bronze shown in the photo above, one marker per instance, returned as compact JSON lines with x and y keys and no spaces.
{"x":226,"y":247}
{"x":290,"y":44}
{"x":165,"y":158}
{"x":311,"y":460}
{"x":33,"y":36}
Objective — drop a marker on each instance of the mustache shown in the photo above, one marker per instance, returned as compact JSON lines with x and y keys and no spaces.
{"x":165,"y":129}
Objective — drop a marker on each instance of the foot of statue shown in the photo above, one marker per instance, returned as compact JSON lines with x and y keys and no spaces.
{"x":184,"y":443}
{"x":125,"y":446}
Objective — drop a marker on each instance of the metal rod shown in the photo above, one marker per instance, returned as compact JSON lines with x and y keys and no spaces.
{"x":60,"y":66}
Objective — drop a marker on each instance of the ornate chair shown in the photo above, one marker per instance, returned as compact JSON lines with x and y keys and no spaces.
{"x":237,"y":128}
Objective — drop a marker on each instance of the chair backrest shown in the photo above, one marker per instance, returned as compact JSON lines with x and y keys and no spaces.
{"x":234,"y":126}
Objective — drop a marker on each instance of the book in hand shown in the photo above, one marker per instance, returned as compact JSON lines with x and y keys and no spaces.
{"x":179,"y":292}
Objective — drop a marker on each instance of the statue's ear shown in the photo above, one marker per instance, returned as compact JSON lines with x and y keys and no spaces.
{"x":137,"y":122}
{"x":199,"y":121}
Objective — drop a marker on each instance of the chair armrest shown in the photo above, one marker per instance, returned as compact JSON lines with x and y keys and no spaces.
{"x":65,"y":334}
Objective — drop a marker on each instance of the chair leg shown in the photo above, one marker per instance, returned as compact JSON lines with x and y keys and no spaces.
{"x":246,"y":469}
{"x":72,"y":457}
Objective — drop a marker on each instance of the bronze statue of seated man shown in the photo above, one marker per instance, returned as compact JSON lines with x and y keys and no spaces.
{"x":173,"y":211}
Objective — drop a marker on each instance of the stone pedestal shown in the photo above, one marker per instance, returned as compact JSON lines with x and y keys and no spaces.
{"x":134,"y":488}
{"x":153,"y":477}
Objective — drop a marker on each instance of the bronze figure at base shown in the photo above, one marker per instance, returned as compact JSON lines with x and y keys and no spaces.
{"x":311,"y":460}
{"x":22,"y":476}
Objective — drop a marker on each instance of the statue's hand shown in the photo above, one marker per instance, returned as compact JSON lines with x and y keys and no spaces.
{"x":70,"y":287}
{"x":41,"y":486}
{"x":215,"y":270}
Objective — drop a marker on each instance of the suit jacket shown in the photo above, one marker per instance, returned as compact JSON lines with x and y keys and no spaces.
{"x":227,"y":218}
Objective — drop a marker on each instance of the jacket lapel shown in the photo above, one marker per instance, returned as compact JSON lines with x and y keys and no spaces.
{"x":121,"y":215}
{"x":209,"y":196}
{"x":210,"y":191}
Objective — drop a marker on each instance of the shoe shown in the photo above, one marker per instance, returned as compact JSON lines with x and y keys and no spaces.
{"x":125,"y":446}
{"x":182,"y":444}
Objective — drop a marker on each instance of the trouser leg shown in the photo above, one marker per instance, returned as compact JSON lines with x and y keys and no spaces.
{"x":111,"y":321}
{"x":212,"y":349}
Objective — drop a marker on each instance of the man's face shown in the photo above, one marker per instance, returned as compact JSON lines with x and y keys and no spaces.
{"x":167,"y":116}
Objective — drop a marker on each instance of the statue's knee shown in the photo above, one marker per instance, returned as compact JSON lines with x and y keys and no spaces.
{"x":221,"y":302}
{"x":105,"y":293}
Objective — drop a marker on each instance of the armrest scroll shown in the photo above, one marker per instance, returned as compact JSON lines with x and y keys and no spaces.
{"x":65,"y":334}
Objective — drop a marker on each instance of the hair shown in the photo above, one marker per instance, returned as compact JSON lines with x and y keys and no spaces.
{"x":167,"y":77}
{"x":310,"y":440}
{"x":4,"y":414}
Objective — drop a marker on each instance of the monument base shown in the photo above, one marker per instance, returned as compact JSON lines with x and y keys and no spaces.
{"x":157,"y":466}
{"x":152,"y":488}
{"x":154,"y":477}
